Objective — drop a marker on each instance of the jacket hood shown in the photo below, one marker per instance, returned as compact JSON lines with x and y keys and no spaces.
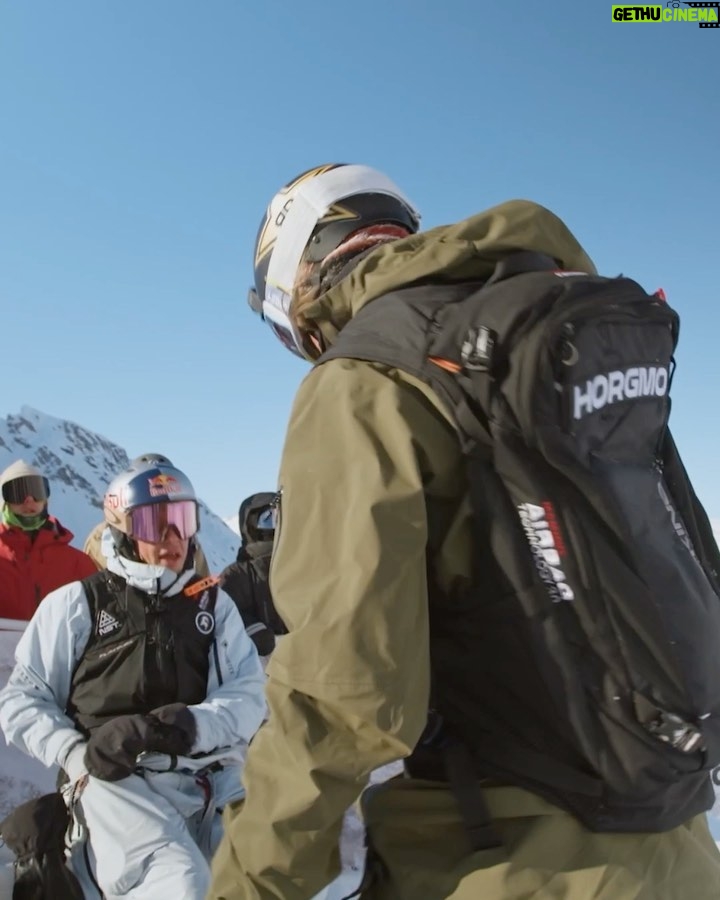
{"x":146,"y":578}
{"x":465,"y":251}
{"x":248,"y":514}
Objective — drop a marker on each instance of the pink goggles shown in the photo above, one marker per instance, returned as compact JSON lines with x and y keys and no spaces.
{"x":150,"y":523}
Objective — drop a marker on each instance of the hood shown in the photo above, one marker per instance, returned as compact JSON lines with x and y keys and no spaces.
{"x":248,"y":514}
{"x":149,"y":579}
{"x":465,"y":251}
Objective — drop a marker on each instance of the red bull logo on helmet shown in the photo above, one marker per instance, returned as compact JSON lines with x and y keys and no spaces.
{"x":163,"y":485}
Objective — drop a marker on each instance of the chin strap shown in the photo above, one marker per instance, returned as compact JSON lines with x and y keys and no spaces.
{"x":124,"y":545}
{"x":190,"y":558}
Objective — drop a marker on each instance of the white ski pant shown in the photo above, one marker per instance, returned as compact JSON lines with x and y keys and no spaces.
{"x":153,"y":836}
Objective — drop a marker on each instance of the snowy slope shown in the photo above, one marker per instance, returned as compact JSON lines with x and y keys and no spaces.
{"x":80,"y":464}
{"x":232,"y":524}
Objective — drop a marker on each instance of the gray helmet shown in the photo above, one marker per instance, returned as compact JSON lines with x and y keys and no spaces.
{"x":149,"y":479}
{"x":148,"y":458}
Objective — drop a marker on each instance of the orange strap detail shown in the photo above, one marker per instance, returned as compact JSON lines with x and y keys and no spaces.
{"x":198,"y":587}
{"x":446,"y":364}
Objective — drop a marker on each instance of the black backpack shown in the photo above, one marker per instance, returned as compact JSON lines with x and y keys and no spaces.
{"x":586,"y":665}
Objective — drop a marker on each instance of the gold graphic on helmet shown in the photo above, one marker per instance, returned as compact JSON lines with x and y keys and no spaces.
{"x":281,"y":203}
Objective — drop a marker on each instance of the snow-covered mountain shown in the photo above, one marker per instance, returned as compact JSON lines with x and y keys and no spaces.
{"x":232,"y":524}
{"x":79,"y":465}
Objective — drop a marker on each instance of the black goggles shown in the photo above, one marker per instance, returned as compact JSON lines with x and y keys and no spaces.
{"x":19,"y":489}
{"x":267,"y":520}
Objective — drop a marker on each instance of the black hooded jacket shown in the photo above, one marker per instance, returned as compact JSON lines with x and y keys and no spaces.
{"x":246,"y":580}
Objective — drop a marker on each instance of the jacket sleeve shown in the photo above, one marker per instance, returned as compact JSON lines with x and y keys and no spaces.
{"x":32,"y":704}
{"x":235,"y":583}
{"x":348,"y":686}
{"x":235,"y":704}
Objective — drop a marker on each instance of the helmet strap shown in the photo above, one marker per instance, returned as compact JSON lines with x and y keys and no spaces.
{"x":190,"y":558}
{"x":124,"y":545}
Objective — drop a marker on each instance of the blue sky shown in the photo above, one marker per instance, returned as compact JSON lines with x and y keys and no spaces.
{"x":140,"y":143}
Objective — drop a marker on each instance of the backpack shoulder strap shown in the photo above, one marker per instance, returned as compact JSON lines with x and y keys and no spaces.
{"x":398,"y":330}
{"x":413,"y":329}
{"x":393,"y":329}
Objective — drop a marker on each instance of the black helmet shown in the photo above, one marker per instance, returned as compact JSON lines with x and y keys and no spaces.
{"x":257,"y":516}
{"x":306,"y":220}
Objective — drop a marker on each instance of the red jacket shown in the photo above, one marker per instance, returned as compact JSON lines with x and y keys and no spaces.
{"x":30,"y":569}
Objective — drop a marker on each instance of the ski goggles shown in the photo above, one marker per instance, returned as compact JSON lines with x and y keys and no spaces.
{"x":19,"y":489}
{"x":150,"y":523}
{"x":282,"y":328}
{"x":275,"y":316}
{"x":267,"y":519}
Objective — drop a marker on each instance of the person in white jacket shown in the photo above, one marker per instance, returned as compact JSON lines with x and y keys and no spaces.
{"x":142,"y":658}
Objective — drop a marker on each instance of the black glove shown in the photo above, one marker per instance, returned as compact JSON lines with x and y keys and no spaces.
{"x":179,"y":717}
{"x":113,"y":748}
{"x":263,"y":639}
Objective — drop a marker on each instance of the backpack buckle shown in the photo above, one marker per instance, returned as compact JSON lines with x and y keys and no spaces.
{"x":477,"y":349}
{"x":673,"y":730}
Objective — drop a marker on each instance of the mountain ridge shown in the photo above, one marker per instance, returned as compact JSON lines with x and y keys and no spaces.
{"x":79,"y":464}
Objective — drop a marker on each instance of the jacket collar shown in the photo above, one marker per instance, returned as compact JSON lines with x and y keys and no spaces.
{"x":465,"y":251}
{"x":51,"y":530}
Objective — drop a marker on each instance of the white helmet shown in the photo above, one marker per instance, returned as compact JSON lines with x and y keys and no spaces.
{"x":309,"y":218}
